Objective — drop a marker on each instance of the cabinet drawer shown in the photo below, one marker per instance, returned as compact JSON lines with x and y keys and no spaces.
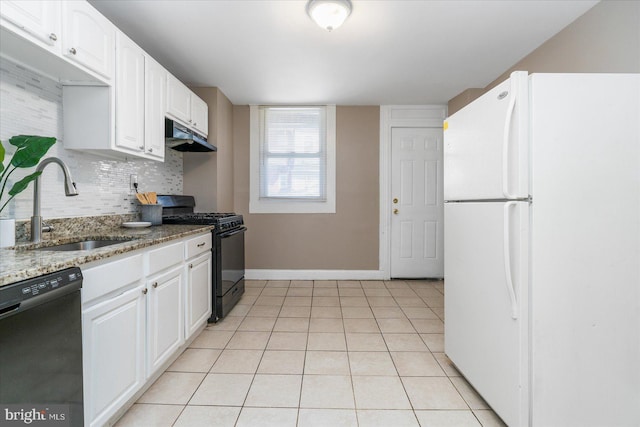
{"x":197,"y":245}
{"x":164,"y":257}
{"x":106,"y":278}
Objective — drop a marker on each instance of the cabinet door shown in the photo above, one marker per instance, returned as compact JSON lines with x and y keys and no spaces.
{"x":129,"y":95}
{"x":155,"y":108}
{"x":165,"y":327}
{"x":39,"y":19}
{"x":200,"y":114}
{"x":178,"y":100}
{"x":88,"y":37}
{"x":113,"y":354}
{"x":198,"y":292}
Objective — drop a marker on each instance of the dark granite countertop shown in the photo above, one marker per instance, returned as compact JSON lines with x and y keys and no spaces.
{"x":23,"y":263}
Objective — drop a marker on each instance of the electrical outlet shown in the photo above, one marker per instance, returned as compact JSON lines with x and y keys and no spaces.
{"x":133,"y":183}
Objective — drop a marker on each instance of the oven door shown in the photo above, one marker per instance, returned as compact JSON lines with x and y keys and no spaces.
{"x":231,"y":259}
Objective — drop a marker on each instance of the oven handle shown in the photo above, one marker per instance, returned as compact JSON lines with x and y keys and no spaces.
{"x":232,"y":233}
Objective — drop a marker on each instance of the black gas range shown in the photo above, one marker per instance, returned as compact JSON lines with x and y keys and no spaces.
{"x":228,"y":248}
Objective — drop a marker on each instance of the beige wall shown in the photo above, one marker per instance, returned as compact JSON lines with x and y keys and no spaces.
{"x":209,"y":176}
{"x":346,"y":240}
{"x":463,"y":99}
{"x":606,"y":39}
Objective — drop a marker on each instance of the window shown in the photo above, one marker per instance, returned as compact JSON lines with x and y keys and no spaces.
{"x":292,"y":159}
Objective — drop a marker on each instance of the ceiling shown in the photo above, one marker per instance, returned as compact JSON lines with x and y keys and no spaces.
{"x":387,"y":52}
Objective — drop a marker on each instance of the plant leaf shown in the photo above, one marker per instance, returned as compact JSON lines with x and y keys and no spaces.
{"x":19,"y":140}
{"x":2,"y":151}
{"x":21,"y":185}
{"x":31,"y":151}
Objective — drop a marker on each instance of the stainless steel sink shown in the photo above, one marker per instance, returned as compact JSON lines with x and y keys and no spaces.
{"x":82,"y":246}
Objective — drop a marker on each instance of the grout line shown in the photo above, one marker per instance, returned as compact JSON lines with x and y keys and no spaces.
{"x":342,"y":308}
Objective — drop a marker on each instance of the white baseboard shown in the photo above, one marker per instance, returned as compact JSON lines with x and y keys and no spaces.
{"x":314,"y":275}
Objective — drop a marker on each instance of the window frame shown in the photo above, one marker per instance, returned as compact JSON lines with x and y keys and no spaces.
{"x":292,"y":205}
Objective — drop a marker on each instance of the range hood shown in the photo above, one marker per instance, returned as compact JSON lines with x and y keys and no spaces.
{"x":181,"y":138}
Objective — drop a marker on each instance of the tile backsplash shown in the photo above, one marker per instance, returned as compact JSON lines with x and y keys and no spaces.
{"x":31,"y":104}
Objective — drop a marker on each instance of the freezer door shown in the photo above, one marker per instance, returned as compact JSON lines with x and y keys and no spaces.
{"x":486,"y":299}
{"x":486,"y":154}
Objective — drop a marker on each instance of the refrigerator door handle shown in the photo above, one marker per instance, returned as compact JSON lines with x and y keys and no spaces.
{"x":505,"y":143}
{"x":507,"y":260}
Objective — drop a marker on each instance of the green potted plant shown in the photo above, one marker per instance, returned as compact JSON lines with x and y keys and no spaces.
{"x":28,"y":152}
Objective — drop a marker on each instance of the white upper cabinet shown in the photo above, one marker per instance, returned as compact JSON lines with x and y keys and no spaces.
{"x":186,"y":106}
{"x":178,"y":99}
{"x":38,"y":20}
{"x":88,"y":37}
{"x":135,"y":124}
{"x":155,"y":108}
{"x":112,"y":89}
{"x":130,"y":82}
{"x":140,"y":101}
{"x":200,"y":115}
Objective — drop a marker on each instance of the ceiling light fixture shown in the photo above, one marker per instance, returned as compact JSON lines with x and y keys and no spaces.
{"x":329,"y":14}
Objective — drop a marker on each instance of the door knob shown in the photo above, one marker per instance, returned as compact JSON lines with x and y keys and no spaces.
{"x":395,"y":200}
{"x":395,"y":211}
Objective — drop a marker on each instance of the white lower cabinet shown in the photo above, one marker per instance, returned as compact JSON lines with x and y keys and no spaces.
{"x":134,"y":310}
{"x":198,"y":292}
{"x":165,"y":317}
{"x":113,"y":354}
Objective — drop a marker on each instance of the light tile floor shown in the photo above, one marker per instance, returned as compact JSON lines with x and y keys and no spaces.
{"x":319,"y":353}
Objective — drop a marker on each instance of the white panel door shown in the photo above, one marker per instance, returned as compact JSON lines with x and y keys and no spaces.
{"x":113,"y":354}
{"x":200,"y":114}
{"x":88,"y":37}
{"x":485,"y":301}
{"x":130,"y":112}
{"x":198,"y":307}
{"x":417,"y":203}
{"x":178,"y":100}
{"x":155,"y":107}
{"x":165,"y":314}
{"x":486,"y":145}
{"x":40,"y":18}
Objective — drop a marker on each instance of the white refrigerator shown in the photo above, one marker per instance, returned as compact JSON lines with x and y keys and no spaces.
{"x":542,"y":248}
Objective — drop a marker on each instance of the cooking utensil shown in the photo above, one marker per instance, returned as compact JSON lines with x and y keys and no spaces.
{"x":142,"y":198}
{"x":152,"y":197}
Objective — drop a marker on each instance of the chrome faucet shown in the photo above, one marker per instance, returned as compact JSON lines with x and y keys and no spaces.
{"x":69,"y":190}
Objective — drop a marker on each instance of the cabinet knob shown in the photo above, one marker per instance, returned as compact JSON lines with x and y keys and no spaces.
{"x":395,"y":200}
{"x":141,"y":147}
{"x":151,"y":150}
{"x":195,"y":123}
{"x":155,"y":284}
{"x":72,"y":50}
{"x":190,"y":120}
{"x":190,"y":265}
{"x":145,"y":290}
{"x":53,"y":37}
{"x":395,"y":211}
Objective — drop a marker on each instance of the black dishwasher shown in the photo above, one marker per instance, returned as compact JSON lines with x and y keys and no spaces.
{"x":41,"y":351}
